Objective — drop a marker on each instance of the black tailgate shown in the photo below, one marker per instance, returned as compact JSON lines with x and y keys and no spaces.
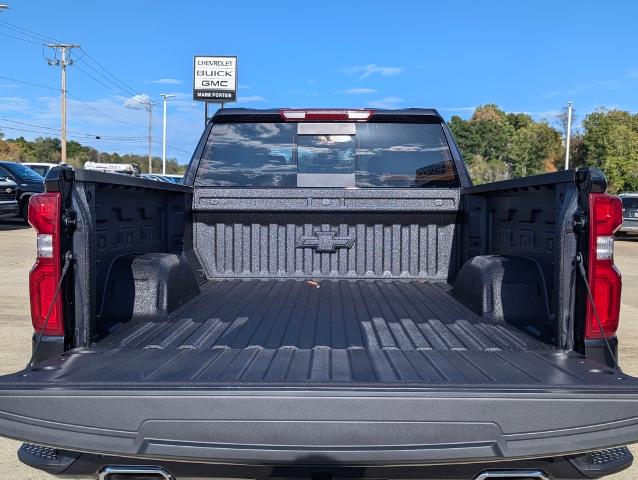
{"x":557,"y":403}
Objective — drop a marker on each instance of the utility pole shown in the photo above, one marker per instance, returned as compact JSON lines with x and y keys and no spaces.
{"x":62,"y":62}
{"x":165,"y":96}
{"x":149,"y":108}
{"x":144,"y":101}
{"x":148,"y":105}
{"x":569,"y":133}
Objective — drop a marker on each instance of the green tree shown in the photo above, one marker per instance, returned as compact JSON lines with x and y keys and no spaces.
{"x":532,"y":148}
{"x":464,"y":134}
{"x":491,"y":132}
{"x":519,"y":120}
{"x":485,"y":171}
{"x":610,"y":142}
{"x":497,"y":145}
{"x":621,"y":160}
{"x":46,"y":149}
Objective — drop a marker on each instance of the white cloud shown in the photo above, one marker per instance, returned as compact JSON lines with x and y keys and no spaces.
{"x":386,"y":102}
{"x":544,"y":115}
{"x":137,"y":102}
{"x":364,"y":71}
{"x":251,"y":99}
{"x":359,"y":91}
{"x":14,"y":104}
{"x":165,"y":81}
{"x":244,"y":87}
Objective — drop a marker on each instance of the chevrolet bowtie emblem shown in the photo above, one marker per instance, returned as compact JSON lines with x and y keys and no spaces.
{"x":325,"y":241}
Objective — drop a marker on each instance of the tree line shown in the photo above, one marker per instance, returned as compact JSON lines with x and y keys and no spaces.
{"x":48,"y":149}
{"x":497,"y":145}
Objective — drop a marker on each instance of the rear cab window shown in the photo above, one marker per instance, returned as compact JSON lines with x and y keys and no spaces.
{"x":337,"y":154}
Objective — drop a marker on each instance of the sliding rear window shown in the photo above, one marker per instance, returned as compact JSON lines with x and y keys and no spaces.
{"x":288,"y":155}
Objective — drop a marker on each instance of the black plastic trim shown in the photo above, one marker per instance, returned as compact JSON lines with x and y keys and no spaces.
{"x":129,"y":181}
{"x":368,"y":200}
{"x":557,"y":468}
{"x":47,"y":459}
{"x":597,"y":350}
{"x":49,"y":346}
{"x":542,"y":180}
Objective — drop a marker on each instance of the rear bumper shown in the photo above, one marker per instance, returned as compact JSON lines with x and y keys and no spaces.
{"x":338,"y":427}
{"x":83,"y":465}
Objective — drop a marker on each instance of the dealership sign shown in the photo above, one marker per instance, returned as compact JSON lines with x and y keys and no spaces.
{"x":215,"y":79}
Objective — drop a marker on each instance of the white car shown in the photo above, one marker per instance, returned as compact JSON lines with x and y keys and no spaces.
{"x":41,"y":168}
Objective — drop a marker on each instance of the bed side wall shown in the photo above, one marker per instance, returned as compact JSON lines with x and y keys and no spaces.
{"x":535,"y":221}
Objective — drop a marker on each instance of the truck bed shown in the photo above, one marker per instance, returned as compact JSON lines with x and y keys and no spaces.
{"x":342,"y":314}
{"x":296,"y":331}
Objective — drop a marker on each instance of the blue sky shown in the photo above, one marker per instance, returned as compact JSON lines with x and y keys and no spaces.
{"x":526,"y":56}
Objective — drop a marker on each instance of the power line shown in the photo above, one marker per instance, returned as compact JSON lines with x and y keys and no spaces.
{"x":127,"y":87}
{"x":41,"y":39}
{"x":5,"y":127}
{"x":123,"y":139}
{"x":172,"y":147}
{"x":83,"y":136}
{"x":102,"y":113}
{"x":120,"y":90}
{"x":94,"y":135}
{"x":46,"y":128}
{"x":99,"y":81}
{"x":73,"y":97}
{"x":26,"y":31}
{"x":22,"y":39}
{"x":29,"y":83}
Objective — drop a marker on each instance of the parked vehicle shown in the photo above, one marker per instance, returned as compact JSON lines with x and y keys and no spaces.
{"x":124,"y":168}
{"x":327,"y":295}
{"x":28,"y":184}
{"x":177,"y":179}
{"x":8,"y":202}
{"x":629,"y":214}
{"x":41,"y":168}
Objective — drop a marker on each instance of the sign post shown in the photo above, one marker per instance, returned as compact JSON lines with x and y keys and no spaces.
{"x":214,"y":80}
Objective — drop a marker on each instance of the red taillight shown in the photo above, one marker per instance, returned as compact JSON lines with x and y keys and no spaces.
{"x":44,"y":217}
{"x":603,"y":276}
{"x":326,"y":115}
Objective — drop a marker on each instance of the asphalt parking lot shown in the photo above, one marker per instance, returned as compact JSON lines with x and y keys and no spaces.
{"x":17,"y":247}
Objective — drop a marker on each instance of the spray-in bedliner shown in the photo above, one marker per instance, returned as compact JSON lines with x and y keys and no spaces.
{"x":344,"y":314}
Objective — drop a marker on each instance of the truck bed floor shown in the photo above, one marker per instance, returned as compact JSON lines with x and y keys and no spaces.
{"x":344,"y":314}
{"x":295,"y":332}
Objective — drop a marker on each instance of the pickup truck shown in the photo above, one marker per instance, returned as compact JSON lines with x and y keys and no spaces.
{"x":326,"y":296}
{"x":28,"y":184}
{"x":8,"y":202}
